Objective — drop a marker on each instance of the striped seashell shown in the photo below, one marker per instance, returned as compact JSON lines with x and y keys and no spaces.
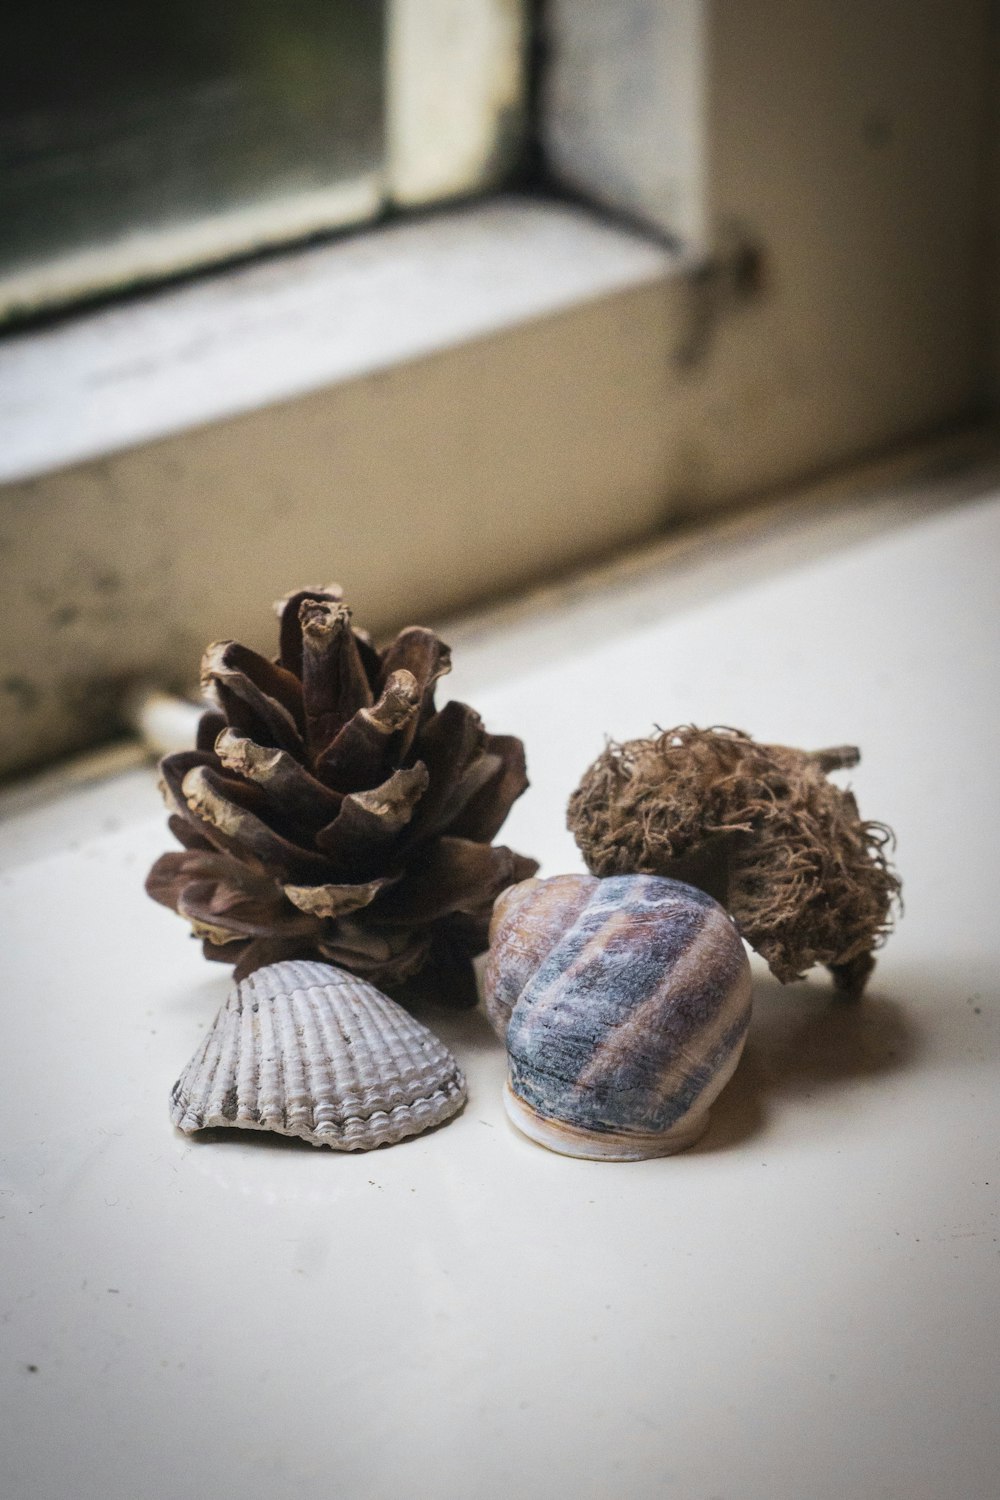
{"x":305,"y":1049}
{"x":624,"y":1004}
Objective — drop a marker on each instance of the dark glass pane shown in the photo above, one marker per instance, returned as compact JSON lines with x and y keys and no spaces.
{"x":117,"y":117}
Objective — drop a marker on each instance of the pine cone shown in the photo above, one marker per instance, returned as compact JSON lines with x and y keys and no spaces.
{"x":329,"y":810}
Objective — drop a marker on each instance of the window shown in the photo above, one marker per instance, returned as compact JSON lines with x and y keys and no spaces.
{"x":137,"y":141}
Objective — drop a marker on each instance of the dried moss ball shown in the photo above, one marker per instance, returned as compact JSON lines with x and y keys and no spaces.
{"x":760,"y":828}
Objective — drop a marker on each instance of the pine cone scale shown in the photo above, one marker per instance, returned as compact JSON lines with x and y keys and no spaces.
{"x":210,"y":726}
{"x":454,"y":875}
{"x":187,"y":834}
{"x":308,"y":802}
{"x":368,"y":825}
{"x":173,"y":769}
{"x":269,"y":680}
{"x":421,"y":653}
{"x":246,"y":707}
{"x":326,"y":901}
{"x":334,"y":683}
{"x":394,"y":953}
{"x":258,"y":952}
{"x":219,"y":919}
{"x":374,"y":740}
{"x":234,"y":828}
{"x":483,"y":815}
{"x":450,"y":744}
{"x":219,"y":889}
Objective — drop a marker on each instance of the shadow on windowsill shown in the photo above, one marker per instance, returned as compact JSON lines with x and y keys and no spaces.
{"x":804,"y":1041}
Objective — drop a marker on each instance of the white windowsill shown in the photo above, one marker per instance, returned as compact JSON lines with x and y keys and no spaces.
{"x":272,"y":331}
{"x":829,"y":1251}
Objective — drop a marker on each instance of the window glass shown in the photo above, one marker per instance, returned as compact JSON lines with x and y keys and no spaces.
{"x":137,"y":140}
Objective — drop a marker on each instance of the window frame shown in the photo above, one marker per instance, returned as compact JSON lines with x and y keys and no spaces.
{"x":454,"y":107}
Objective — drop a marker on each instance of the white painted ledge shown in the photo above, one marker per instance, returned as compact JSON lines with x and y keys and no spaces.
{"x":802,"y":1307}
{"x":265,"y":333}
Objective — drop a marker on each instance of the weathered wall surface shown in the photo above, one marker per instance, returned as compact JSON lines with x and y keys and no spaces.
{"x":845,"y":147}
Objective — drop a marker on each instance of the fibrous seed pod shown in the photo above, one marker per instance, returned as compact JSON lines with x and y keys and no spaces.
{"x":761,"y":828}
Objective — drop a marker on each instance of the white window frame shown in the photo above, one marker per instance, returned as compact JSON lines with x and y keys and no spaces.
{"x":454,"y":75}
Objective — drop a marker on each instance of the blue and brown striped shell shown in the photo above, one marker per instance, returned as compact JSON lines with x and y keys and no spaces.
{"x":624,"y":1004}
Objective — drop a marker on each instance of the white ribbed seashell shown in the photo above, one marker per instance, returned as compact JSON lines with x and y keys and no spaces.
{"x":308,"y":1050}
